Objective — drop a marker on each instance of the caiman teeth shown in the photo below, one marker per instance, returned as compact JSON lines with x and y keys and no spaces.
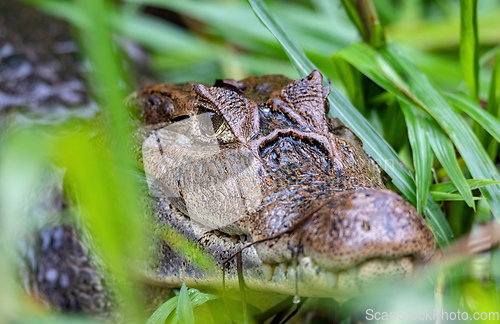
{"x":367,"y":272}
{"x":283,"y":267}
{"x":330,"y":278}
{"x":268,"y":270}
{"x":307,"y":262}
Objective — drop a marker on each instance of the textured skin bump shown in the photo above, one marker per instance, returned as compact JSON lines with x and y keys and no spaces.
{"x":241,"y":114}
{"x":304,"y":101}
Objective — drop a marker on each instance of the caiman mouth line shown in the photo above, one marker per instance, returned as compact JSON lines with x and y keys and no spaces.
{"x":359,"y":277}
{"x":302,"y":276}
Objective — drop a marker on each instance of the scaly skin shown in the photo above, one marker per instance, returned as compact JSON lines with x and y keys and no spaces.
{"x":258,"y":164}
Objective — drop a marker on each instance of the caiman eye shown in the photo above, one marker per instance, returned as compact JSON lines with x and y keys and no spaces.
{"x":217,"y":120}
{"x":215,"y":126}
{"x":206,"y":126}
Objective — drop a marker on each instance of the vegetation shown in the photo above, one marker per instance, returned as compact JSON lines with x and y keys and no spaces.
{"x":435,"y":65}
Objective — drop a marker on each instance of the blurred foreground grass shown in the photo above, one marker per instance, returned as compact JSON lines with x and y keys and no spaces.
{"x":440,"y":65}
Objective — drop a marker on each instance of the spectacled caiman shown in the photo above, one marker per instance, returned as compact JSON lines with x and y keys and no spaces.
{"x":258,"y":163}
{"x":253,"y":166}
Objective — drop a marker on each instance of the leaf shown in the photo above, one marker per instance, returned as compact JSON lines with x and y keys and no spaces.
{"x":161,"y":314}
{"x":449,"y":187}
{"x":296,"y":55}
{"x":352,"y":81}
{"x":444,"y":196}
{"x":421,"y":150}
{"x":494,"y":91}
{"x":445,"y":153}
{"x":196,"y":298}
{"x":185,"y":312}
{"x":373,"y":143}
{"x":392,"y":71}
{"x":109,"y":196}
{"x":356,"y":18}
{"x":364,"y":16}
{"x":493,"y":106}
{"x":489,"y":122}
{"x":469,"y":57}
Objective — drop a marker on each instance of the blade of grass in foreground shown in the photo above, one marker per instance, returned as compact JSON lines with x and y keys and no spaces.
{"x":421,"y":151}
{"x":108,"y":191}
{"x":449,"y":187}
{"x":196,"y":298}
{"x":365,"y":18}
{"x":445,"y":153}
{"x":392,"y":71}
{"x":185,"y":312}
{"x":444,"y":196}
{"x":469,"y":57}
{"x":489,"y":122}
{"x":494,"y":101}
{"x":494,"y":91}
{"x":373,"y":143}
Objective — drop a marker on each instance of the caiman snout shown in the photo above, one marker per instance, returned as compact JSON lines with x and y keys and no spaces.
{"x":359,"y":226}
{"x":352,"y":239}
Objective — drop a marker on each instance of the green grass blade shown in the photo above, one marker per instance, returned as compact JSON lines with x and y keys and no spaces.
{"x":445,"y":153}
{"x":161,"y":37}
{"x":185,"y":312}
{"x":364,"y":16}
{"x":489,"y":55}
{"x":373,"y":143}
{"x":449,"y":187}
{"x":489,"y":122}
{"x":444,"y":196}
{"x":493,"y":106}
{"x":161,"y":314}
{"x":352,"y":81}
{"x":494,"y":91}
{"x":294,"y":52}
{"x":196,"y":297}
{"x":113,"y":221}
{"x":469,"y":57}
{"x":356,"y":19}
{"x":108,"y":193}
{"x":421,"y":151}
{"x":390,"y":69}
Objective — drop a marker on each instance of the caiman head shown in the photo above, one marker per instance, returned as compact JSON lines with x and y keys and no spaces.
{"x":256,"y":166}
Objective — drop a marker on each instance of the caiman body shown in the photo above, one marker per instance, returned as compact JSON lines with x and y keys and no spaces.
{"x":256,"y":166}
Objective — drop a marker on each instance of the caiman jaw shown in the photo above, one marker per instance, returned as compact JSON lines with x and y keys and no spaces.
{"x":317,"y":281}
{"x":356,"y":238}
{"x":342,"y":250}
